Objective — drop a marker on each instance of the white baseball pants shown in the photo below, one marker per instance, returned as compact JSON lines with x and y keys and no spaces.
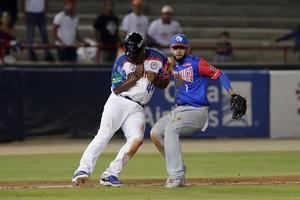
{"x":118,"y":112}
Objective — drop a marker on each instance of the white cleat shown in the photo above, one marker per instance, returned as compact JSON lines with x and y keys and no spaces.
{"x":172,"y":183}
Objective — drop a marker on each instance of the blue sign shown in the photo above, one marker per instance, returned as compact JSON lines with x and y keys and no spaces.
{"x":70,"y":101}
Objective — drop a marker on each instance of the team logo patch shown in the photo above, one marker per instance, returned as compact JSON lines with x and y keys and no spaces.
{"x":141,"y":43}
{"x":178,"y":38}
{"x":153,"y":65}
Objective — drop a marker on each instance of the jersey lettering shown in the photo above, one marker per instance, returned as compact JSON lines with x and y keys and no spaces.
{"x":185,"y":74}
{"x":190,"y":80}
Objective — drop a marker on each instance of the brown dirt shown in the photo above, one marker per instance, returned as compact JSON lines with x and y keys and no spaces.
{"x":160,"y":182}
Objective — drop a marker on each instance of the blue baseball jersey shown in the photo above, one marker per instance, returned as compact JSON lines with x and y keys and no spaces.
{"x":191,"y":81}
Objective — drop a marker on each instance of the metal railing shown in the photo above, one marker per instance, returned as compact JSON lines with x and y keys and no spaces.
{"x":197,"y":46}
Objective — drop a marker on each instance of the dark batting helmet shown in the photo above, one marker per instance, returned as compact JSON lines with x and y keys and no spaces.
{"x":134,"y":45}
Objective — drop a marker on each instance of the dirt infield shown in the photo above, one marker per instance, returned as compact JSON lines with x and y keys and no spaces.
{"x":160,"y":182}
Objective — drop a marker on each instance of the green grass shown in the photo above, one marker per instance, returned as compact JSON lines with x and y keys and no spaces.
{"x":60,"y":167}
{"x":145,"y":166}
{"x":262,"y":192}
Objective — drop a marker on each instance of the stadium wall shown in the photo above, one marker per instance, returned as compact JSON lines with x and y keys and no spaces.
{"x":285,"y":104}
{"x":60,"y":101}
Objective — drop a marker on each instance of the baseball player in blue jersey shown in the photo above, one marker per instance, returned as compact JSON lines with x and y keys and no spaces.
{"x":191,"y":109}
{"x":135,"y":75}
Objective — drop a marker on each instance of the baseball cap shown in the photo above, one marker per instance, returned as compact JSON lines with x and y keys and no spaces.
{"x":179,"y":40}
{"x":167,"y":9}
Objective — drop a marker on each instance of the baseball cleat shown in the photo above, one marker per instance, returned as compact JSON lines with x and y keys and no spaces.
{"x":80,"y":178}
{"x":172,"y":183}
{"x":110,"y":181}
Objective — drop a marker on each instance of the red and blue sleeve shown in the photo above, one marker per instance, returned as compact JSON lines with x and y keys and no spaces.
{"x":207,"y":70}
{"x":164,"y":72}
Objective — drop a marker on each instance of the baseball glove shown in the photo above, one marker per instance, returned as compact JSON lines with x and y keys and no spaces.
{"x":238,"y":106}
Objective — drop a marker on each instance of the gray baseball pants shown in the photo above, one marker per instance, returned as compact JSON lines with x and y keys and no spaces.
{"x":181,"y":121}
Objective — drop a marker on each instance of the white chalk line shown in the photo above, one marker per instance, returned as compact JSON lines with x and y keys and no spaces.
{"x":148,"y":185}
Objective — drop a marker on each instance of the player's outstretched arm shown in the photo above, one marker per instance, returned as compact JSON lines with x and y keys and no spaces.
{"x":131,"y":79}
{"x":226,"y":83}
{"x":238,"y":104}
{"x":205,"y":69}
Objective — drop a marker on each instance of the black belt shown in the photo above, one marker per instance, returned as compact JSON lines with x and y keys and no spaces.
{"x":127,"y":97}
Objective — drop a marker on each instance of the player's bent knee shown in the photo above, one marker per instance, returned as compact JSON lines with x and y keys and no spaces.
{"x":156,"y":142}
{"x":105,"y":131}
{"x":154,"y":138}
{"x":171,"y":129}
{"x":136,"y":143}
{"x":153,"y":135}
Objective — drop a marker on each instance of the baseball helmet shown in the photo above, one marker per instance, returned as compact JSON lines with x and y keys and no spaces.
{"x":134,"y":45}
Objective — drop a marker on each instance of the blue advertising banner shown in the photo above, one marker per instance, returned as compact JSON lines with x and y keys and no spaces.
{"x":56,"y":101}
{"x":252,"y":84}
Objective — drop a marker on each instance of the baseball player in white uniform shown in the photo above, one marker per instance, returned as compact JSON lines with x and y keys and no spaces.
{"x":134,"y":77}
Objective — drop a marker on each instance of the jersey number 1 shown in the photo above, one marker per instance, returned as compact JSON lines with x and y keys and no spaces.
{"x":186,"y":87}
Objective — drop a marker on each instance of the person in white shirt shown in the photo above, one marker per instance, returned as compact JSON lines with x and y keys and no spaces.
{"x":35,"y":15}
{"x":162,"y":29}
{"x":66,"y":32}
{"x":135,"y":21}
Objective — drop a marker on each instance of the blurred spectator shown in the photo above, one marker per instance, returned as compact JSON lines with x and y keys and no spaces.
{"x":107,"y":32}
{"x":224,"y":48}
{"x":35,"y":12}
{"x":66,"y":32}
{"x":87,"y":54}
{"x":10,"y":6}
{"x":135,"y":21}
{"x":7,"y":40}
{"x":161,"y":30}
{"x":295,"y":34}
